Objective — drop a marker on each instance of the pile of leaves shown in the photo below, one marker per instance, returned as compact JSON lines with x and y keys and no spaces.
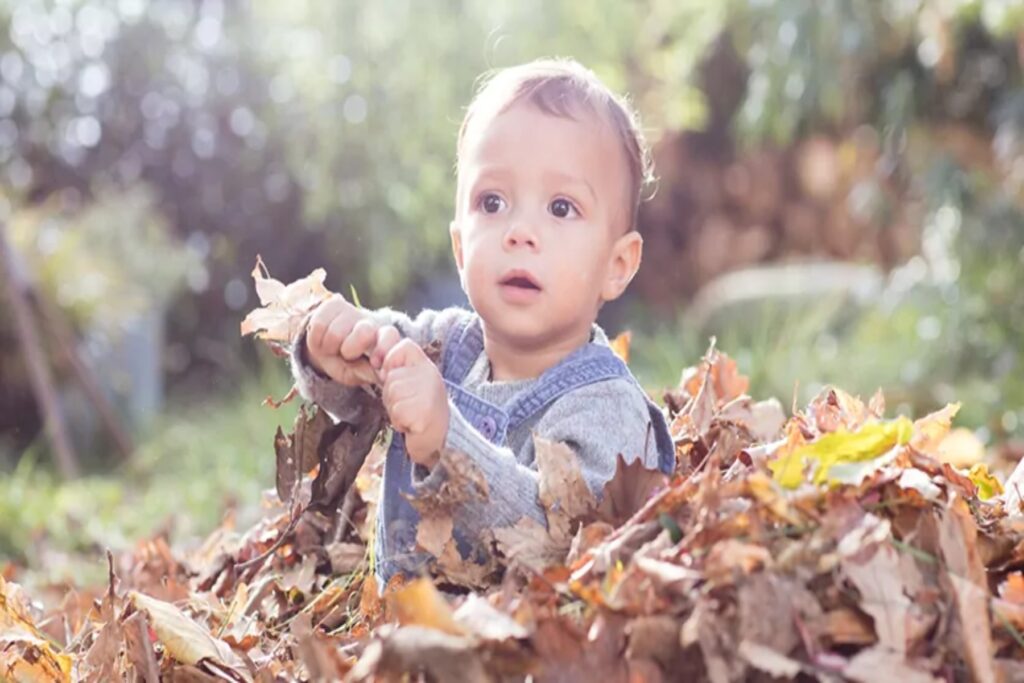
{"x":837,"y":544}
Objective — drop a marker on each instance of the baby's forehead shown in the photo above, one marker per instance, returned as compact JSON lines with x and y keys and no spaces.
{"x":578,"y":113}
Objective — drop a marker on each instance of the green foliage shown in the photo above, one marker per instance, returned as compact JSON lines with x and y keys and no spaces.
{"x":111,"y":258}
{"x":199,"y":459}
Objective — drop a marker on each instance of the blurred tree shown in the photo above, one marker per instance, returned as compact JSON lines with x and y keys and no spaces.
{"x":322,"y":134}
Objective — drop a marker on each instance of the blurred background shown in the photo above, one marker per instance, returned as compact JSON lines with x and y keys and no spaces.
{"x":840,"y":201}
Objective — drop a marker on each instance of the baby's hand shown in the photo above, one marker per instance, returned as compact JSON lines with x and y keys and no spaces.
{"x":414,"y":396}
{"x":339,"y":339}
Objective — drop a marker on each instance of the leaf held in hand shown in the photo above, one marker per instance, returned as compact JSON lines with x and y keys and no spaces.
{"x":284,"y":307}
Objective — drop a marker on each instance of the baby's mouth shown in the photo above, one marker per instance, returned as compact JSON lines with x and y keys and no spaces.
{"x":520,"y":280}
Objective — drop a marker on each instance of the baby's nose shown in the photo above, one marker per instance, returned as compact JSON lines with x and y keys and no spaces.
{"x":519,"y":233}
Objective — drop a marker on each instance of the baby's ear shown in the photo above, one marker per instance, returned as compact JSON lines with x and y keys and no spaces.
{"x":623,"y":263}
{"x":456,"y":235}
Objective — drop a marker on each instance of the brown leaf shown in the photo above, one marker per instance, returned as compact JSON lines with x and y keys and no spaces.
{"x":881,"y":665}
{"x":629,"y":488}
{"x":341,"y":453}
{"x":479,"y":618}
{"x":529,"y":544}
{"x":966,"y":575}
{"x":567,"y":656}
{"x":730,"y":556}
{"x":414,"y":649}
{"x":654,"y":637}
{"x":768,"y":660}
{"x":769,"y":608}
{"x":563,"y":492}
{"x":297,"y":452}
{"x":887,"y":581}
{"x":434,"y":533}
{"x":845,"y":626}
{"x":707,"y":628}
{"x":464,"y":483}
{"x":317,"y":651}
{"x":139,"y":649}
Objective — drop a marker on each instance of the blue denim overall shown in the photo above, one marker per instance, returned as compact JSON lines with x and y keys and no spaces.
{"x":590,"y":363}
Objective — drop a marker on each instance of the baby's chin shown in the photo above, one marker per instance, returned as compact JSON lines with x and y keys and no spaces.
{"x":527,"y":332}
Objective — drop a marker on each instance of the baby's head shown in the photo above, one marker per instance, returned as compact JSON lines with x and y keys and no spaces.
{"x":551,"y":170}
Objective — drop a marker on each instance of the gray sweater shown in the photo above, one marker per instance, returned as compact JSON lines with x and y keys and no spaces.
{"x":599,"y":421}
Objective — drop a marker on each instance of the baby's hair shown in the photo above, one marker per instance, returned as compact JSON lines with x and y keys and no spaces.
{"x":561,"y":87}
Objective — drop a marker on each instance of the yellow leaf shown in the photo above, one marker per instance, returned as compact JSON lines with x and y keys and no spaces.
{"x":868,"y":442}
{"x":620,"y":345}
{"x":26,"y":659}
{"x":183,"y":638}
{"x":418,"y":603}
{"x":988,"y":485}
{"x":25,"y":654}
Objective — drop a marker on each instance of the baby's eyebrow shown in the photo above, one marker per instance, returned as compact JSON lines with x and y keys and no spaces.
{"x":558,"y":177}
{"x":492,"y":173}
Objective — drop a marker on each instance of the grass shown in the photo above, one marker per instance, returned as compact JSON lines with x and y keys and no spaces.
{"x":197,"y":460}
{"x":792,"y":350}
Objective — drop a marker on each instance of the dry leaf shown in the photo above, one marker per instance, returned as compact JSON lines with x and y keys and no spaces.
{"x":838,"y":448}
{"x":887,"y":584}
{"x":283,"y":307}
{"x":768,"y":660}
{"x":529,"y":544}
{"x":880,"y":665}
{"x":419,"y":604}
{"x":958,"y":539}
{"x":628,"y":490}
{"x":930,"y":430}
{"x":183,"y":638}
{"x":297,"y":452}
{"x":988,"y":485}
{"x":25,"y":654}
{"x":479,"y":618}
{"x":564,"y":494}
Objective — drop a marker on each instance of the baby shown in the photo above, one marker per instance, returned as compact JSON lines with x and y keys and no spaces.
{"x":551,"y":165}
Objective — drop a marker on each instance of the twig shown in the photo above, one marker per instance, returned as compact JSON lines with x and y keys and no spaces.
{"x":344,"y":517}
{"x":38,"y":372}
{"x":53,"y":317}
{"x":152,"y":671}
{"x":272,"y":549}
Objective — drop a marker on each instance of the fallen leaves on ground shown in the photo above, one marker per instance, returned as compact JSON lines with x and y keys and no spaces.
{"x":837,"y":544}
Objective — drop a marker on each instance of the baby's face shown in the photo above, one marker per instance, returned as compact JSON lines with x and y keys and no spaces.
{"x":540,"y":230}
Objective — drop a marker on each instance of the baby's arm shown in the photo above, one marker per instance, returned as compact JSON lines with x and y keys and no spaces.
{"x":346,"y":403}
{"x":598,"y":422}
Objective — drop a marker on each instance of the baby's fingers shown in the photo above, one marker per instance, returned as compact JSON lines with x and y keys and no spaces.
{"x":329,"y":314}
{"x":359,"y":341}
{"x":406,"y":353}
{"x":387,"y":337}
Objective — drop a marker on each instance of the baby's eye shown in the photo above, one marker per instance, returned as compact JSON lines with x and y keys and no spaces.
{"x":491,"y":203}
{"x":562,"y":208}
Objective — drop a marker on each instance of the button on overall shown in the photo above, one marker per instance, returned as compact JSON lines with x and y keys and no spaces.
{"x":488,"y":426}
